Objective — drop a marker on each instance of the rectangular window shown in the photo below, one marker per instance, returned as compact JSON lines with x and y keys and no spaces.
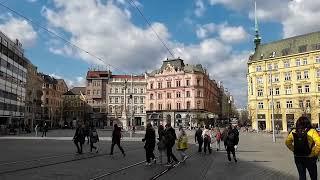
{"x":169,"y":106}
{"x":122,"y":99}
{"x":259,"y":80}
{"x":260,"y":92}
{"x":305,"y":61}
{"x":159,"y":96}
{"x":302,"y":48}
{"x":188,"y":105}
{"x":135,"y":100}
{"x":306,"y":74}
{"x":151,"y":85}
{"x":277,"y":91}
{"x":110,"y":99}
{"x":299,"y":76}
{"x":306,"y":88}
{"x":317,"y":59}
{"x":141,"y":100}
{"x":178,"y":106}
{"x":298,"y":62}
{"x":308,"y":103}
{"x":276,"y":78}
{"x":169,"y":95}
{"x":159,"y":85}
{"x":159,"y":106}
{"x":178,"y":84}
{"x":289,"y":104}
{"x":318,"y":87}
{"x":318,"y":73}
{"x":187,"y":82}
{"x":278,"y":105}
{"x":286,"y":64}
{"x":288,"y":90}
{"x":169,"y":84}
{"x":260,"y":105}
{"x":287,"y":76}
{"x":258,"y":68}
{"x":269,"y":66}
{"x":188,"y":93}
{"x":116,"y":100}
{"x":299,"y":89}
{"x":275,"y":66}
{"x":301,"y":104}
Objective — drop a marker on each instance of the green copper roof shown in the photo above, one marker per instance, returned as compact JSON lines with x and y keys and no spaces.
{"x":293,"y":45}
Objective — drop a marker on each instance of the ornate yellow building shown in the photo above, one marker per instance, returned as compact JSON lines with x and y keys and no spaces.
{"x":290,"y":70}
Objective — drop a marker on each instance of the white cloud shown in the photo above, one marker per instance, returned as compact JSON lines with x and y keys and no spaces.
{"x":77,"y":81}
{"x":19,"y":29}
{"x":232,"y":34}
{"x":107,"y":31}
{"x":200,"y":8}
{"x":205,"y":30}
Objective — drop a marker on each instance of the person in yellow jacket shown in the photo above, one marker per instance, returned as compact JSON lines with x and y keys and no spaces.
{"x":182,"y":143}
{"x":304,"y":142}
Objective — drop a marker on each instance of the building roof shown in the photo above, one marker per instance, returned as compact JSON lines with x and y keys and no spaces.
{"x":289,"y":46}
{"x":48,"y":79}
{"x":76,"y":91}
{"x":178,"y":64}
{"x":98,"y":74}
{"x":128,"y":77}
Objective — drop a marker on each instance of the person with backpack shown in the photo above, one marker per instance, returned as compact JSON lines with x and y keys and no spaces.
{"x":304,"y":142}
{"x":93,"y":138}
{"x":79,"y":138}
{"x":198,"y":138}
{"x":182,"y":143}
{"x":206,"y":135}
{"x":231,"y":140}
{"x":218,"y":136}
{"x":150,"y":143}
{"x":170,"y":138}
{"x":161,"y":143}
{"x":116,"y":136}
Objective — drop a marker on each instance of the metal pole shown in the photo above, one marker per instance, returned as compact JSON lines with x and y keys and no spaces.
{"x":272,"y":106}
{"x":131,"y":101}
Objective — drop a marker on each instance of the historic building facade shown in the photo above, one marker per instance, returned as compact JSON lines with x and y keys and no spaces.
{"x":287,"y":71}
{"x":181,"y":94}
{"x":13,"y":74}
{"x":33,"y":96}
{"x":52,"y":100}
{"x":74,"y":106}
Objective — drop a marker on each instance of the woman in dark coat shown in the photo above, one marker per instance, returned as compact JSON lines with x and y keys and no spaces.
{"x":161,"y":143}
{"x":116,"y":136}
{"x":150,"y":143}
{"x":79,"y":138}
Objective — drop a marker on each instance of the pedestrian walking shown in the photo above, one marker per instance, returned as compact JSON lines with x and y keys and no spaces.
{"x":87,"y":132}
{"x":304,"y":142}
{"x":182,"y":144}
{"x":116,"y":137}
{"x":36,"y":129}
{"x":218,"y":136}
{"x":199,"y":139}
{"x":231,"y":140}
{"x":150,"y":143}
{"x":161,"y":143}
{"x":94,"y":138}
{"x":79,"y":138}
{"x":170,"y":138}
{"x":206,"y":135}
{"x":44,"y":130}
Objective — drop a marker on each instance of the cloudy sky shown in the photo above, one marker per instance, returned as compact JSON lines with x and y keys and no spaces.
{"x":216,"y":33}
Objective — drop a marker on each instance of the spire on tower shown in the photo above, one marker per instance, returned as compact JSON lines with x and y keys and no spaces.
{"x":257,"y":39}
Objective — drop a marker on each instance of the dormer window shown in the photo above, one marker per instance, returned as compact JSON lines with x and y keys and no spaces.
{"x":302,"y":48}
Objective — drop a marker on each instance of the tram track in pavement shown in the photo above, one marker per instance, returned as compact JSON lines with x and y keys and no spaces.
{"x":78,"y":158}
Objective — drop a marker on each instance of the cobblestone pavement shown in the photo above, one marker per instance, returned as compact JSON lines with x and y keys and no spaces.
{"x":259,"y":158}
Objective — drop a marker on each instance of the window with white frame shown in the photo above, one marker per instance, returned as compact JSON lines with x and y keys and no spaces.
{"x":308,"y":103}
{"x":287,"y":76}
{"x":116,"y":91}
{"x":260,"y":105}
{"x":299,"y":89}
{"x":306,"y":74}
{"x":278,"y":105}
{"x":275,"y":66}
{"x":270,"y":91}
{"x":122,"y":99}
{"x":259,"y":80}
{"x":276,"y":78}
{"x":260,"y":92}
{"x":141,"y":100}
{"x":135,"y":90}
{"x":301,"y":104}
{"x":178,"y":106}
{"x":299,"y":76}
{"x":288,"y":90}
{"x":116,"y":100}
{"x":318,"y":87}
{"x":277,"y":91}
{"x":298,"y":62}
{"x":318,"y":73}
{"x":178,"y":94}
{"x":110,"y":99}
{"x":318,"y":59}
{"x":289,"y":104}
{"x":159,"y":95}
{"x":135,"y":100}
{"x":305,"y":61}
{"x":286,"y":64}
{"x":258,"y":68}
{"x":306,"y":88}
{"x":269,"y":66}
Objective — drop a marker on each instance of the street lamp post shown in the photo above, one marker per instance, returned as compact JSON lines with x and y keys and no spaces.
{"x":272,"y":106}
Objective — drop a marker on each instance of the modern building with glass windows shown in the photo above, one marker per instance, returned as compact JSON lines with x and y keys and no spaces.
{"x":289,"y":71}
{"x":13,"y":73}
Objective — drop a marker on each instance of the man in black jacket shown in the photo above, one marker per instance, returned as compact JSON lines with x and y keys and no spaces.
{"x":232,"y":139}
{"x":170,"y":138}
{"x":150,"y":143}
{"x":116,"y":136}
{"x":79,"y":138}
{"x":199,"y":139}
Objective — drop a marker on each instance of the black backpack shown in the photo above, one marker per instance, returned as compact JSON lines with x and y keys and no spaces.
{"x":300,"y":143}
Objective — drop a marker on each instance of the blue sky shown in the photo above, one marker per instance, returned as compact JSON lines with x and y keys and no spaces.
{"x":216,"y":33}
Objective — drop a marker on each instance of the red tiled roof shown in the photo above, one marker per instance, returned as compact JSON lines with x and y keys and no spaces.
{"x":97,"y":74}
{"x":127,"y":77}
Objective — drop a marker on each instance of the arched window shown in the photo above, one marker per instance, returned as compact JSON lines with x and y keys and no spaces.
{"x":198,"y":104}
{"x":178,"y":94}
{"x":151,"y":96}
{"x":151,"y":106}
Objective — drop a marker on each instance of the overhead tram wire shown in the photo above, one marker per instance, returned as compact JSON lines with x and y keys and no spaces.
{"x":60,"y":37}
{"x":131,"y":2}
